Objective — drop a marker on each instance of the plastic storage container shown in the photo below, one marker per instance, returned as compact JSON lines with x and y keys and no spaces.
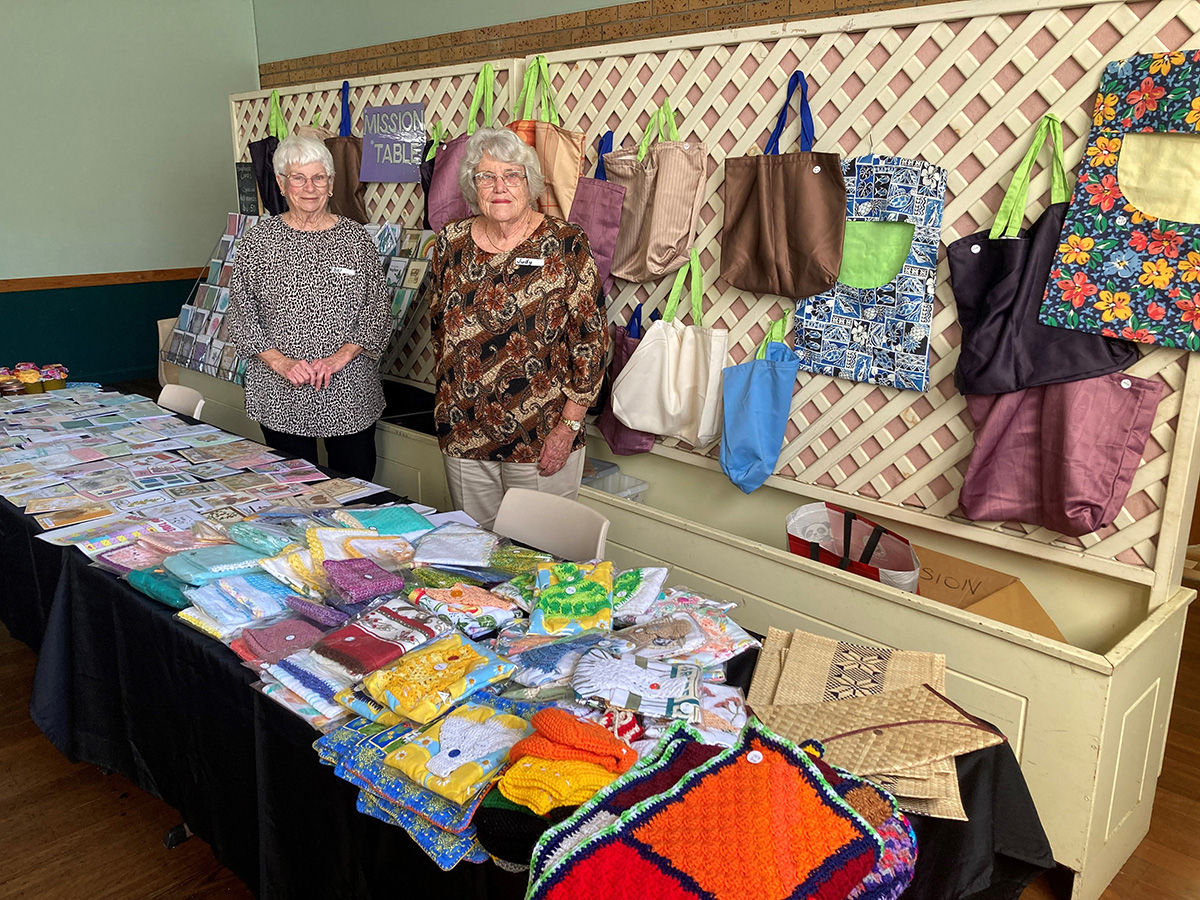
{"x":603,"y":468}
{"x":619,"y":485}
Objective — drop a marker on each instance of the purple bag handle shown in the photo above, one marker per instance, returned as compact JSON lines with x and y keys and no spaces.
{"x":807,"y":131}
{"x":606,"y":145}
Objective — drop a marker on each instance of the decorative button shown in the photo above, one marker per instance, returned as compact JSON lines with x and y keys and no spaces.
{"x":348,"y":639}
{"x":687,"y":146}
{"x":369,"y":577}
{"x":816,"y":170}
{"x":621,"y":593}
{"x":975,"y":248}
{"x":754,"y":756}
{"x":570,"y":590}
{"x":878,"y":732}
{"x":289,"y":637}
{"x":1126,"y":383}
{"x":439,"y":666}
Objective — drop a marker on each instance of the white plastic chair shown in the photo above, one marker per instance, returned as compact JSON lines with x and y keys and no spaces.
{"x":184,"y":400}
{"x":557,"y":525}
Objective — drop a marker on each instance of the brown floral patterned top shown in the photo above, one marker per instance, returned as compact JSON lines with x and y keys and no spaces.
{"x":513,"y":340}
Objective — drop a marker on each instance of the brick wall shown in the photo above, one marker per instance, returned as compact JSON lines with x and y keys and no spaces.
{"x":607,"y":25}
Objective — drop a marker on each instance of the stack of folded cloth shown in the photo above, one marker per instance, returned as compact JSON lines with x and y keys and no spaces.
{"x":879,"y":713}
{"x":564,"y":762}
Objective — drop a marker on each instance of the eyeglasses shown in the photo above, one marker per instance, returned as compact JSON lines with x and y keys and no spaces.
{"x":298,"y":181}
{"x":487,"y":180}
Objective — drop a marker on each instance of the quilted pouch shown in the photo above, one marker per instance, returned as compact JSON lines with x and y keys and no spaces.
{"x":360,"y":580}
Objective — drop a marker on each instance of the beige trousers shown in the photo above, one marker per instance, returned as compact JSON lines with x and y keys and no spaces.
{"x":477,"y":485}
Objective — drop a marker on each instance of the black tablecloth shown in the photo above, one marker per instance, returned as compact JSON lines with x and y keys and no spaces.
{"x":122,"y":685}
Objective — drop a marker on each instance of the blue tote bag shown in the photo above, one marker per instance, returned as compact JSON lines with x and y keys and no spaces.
{"x":758,"y":396}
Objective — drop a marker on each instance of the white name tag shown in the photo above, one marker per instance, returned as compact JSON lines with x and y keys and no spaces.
{"x":530,"y":261}
{"x":338,"y":270}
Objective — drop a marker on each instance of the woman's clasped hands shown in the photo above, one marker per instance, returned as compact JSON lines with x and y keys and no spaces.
{"x":316,"y":372}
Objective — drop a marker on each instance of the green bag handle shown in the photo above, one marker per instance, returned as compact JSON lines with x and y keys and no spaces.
{"x":663,"y":121}
{"x":537,"y":83}
{"x":316,"y":122}
{"x":1012,"y":211}
{"x":693,"y":267}
{"x":776,"y":333}
{"x":437,"y":134}
{"x":485,"y":94}
{"x":276,"y":124}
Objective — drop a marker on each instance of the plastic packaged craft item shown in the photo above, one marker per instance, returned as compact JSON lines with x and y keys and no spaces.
{"x":307,"y":676}
{"x":316,"y":612}
{"x":667,"y":637}
{"x":643,"y":685}
{"x":130,"y":557}
{"x":259,"y":593}
{"x":394,"y":521}
{"x":295,"y":704}
{"x":295,"y":570}
{"x":634,"y":590}
{"x":455,"y":544}
{"x":330,"y":543}
{"x":460,"y":754}
{"x":377,"y":638}
{"x":521,"y":590}
{"x":437,"y":577}
{"x":272,"y":642}
{"x":359,"y":580}
{"x":195,"y":618}
{"x":358,"y":701}
{"x":219,"y":606}
{"x":269,"y":540}
{"x":572,"y":597}
{"x":472,"y":610}
{"x":159,"y":584}
{"x":555,"y":660}
{"x":513,"y":559}
{"x":443,"y":847}
{"x":392,"y":553}
{"x":206,"y":564}
{"x":178,"y":541}
{"x":426,"y":682}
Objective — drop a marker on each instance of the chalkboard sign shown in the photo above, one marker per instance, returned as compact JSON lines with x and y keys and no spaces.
{"x":247,"y":189}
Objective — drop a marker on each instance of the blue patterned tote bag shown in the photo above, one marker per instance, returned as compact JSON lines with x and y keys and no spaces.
{"x":873,"y":325}
{"x":1128,"y":263}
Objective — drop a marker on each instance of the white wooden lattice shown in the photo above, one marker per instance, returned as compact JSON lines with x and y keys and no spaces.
{"x":945,"y":83}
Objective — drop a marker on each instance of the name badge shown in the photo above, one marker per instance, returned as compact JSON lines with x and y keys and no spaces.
{"x":530,"y":261}
{"x":338,"y":270}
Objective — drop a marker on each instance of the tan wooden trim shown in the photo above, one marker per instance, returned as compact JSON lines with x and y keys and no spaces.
{"x":96,"y":279}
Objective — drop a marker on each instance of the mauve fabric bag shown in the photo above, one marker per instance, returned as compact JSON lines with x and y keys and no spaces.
{"x":1058,"y":455}
{"x":597,"y":210}
{"x":444,"y":201}
{"x":621,"y":439}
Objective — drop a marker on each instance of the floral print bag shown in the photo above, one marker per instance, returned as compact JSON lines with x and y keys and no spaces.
{"x":1125,"y":268}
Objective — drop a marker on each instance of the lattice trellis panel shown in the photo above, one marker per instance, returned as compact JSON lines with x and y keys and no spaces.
{"x":965,"y":94}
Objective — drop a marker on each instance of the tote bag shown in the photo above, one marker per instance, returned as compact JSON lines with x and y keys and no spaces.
{"x":437,"y":135}
{"x":444,"y":201}
{"x":757,"y":396}
{"x":664,"y":188}
{"x":785,"y":215}
{"x":559,"y":151}
{"x":998,"y":278}
{"x":349,"y":194}
{"x":672,"y":383}
{"x":597,"y":210}
{"x":838,"y":537}
{"x":621,"y":439}
{"x":262,"y":157}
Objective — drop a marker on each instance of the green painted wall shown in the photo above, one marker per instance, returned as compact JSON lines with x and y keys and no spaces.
{"x":291,"y":28}
{"x":116,"y":138}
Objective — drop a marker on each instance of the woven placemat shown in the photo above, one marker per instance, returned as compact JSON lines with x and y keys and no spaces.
{"x":768,"y":667}
{"x":820,"y":669}
{"x":949,"y":808}
{"x":884,"y":732}
{"x":941,"y":785}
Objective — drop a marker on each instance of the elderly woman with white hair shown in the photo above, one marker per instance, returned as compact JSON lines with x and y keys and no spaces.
{"x":519,"y":334}
{"x":309,"y":310}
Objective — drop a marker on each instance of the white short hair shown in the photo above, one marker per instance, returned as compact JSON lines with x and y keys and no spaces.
{"x":502,"y":145}
{"x":300,"y":151}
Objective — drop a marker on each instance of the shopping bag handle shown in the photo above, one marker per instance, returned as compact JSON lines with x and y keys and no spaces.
{"x":437,"y":134}
{"x":1012,"y":210}
{"x":807,"y":131}
{"x":485,"y":95}
{"x":605,"y":146}
{"x":848,"y":517}
{"x":535,"y":85}
{"x":276,"y":124}
{"x":663,"y":121}
{"x":777,"y":333}
{"x":344,"y":126}
{"x":693,"y":267}
{"x":634,"y":328}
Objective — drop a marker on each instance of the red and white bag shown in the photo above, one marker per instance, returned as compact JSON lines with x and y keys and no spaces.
{"x":841,"y":538}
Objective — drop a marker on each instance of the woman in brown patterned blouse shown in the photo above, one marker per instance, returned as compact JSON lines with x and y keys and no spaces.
{"x":519,"y":334}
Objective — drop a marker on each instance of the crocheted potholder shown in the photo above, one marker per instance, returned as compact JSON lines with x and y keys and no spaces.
{"x":555,"y":660}
{"x":333,"y":746}
{"x":561,"y":736}
{"x":398,"y":521}
{"x":572,"y":597}
{"x":544,"y":784}
{"x":795,"y":837}
{"x":356,"y":699}
{"x":377,"y":639}
{"x":273,"y":642}
{"x":360,"y":580}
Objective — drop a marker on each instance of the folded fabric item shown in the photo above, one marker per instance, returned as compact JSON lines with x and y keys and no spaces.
{"x":207,"y":564}
{"x":572,"y":597}
{"x":330,"y":543}
{"x":377,"y":638}
{"x":817,"y":668}
{"x":513,"y":559}
{"x":299,"y":674}
{"x":644,"y":685}
{"x":426,"y":682}
{"x":435,"y":577}
{"x":471,"y":609}
{"x":883,"y":732}
{"x":634,"y":590}
{"x":667,"y":637}
{"x":561,"y":736}
{"x":679,"y":843}
{"x":297,"y":705}
{"x":459,"y":755}
{"x":359,"y":580}
{"x":724,"y":638}
{"x":444,"y":848}
{"x":159,"y":584}
{"x":357,"y":700}
{"x":272,"y":643}
{"x":296,"y":571}
{"x":316,"y":612}
{"x":521,"y":590}
{"x":332,"y":746}
{"x":219,"y":606}
{"x":392,"y":553}
{"x":205,"y":625}
{"x":722,"y":713}
{"x":680,"y":599}
{"x":267,"y":540}
{"x":258,"y":593}
{"x":544,"y":784}
{"x":553,"y":660}
{"x":396,"y":521}
{"x":455,"y":544}
{"x":178,"y":541}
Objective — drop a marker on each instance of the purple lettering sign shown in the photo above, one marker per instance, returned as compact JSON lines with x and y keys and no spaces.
{"x":393,"y":137}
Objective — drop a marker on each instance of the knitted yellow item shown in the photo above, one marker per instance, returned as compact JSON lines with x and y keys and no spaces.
{"x":561,"y":735}
{"x":543,"y":784}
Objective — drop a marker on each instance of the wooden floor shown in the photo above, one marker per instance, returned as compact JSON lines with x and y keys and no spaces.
{"x":70,"y":832}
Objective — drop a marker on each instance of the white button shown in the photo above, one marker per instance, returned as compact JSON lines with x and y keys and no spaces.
{"x":816,"y":171}
{"x":687,"y":146}
{"x":348,"y":639}
{"x":440,"y":666}
{"x":974,"y":248}
{"x":570,"y":590}
{"x":754,"y":757}
{"x":620,"y":593}
{"x":290,"y":637}
{"x":1126,"y":383}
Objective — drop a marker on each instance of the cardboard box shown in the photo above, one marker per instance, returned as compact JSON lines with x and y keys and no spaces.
{"x":985,"y":592}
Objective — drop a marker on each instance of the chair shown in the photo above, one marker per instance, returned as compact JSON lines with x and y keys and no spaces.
{"x":168,"y":373}
{"x":557,"y":525}
{"x":183,"y":400}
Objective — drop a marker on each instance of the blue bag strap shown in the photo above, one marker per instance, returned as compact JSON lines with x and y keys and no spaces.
{"x":344,"y":127}
{"x":807,"y":131}
{"x":606,"y":145}
{"x":634,"y":328}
